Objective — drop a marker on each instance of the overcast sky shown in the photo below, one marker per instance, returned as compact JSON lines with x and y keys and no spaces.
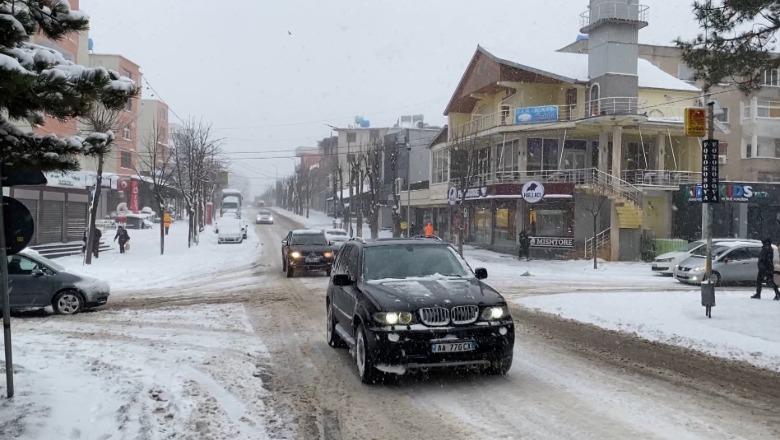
{"x":270,"y":74}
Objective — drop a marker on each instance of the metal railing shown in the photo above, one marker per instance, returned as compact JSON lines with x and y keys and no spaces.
{"x":619,"y":105}
{"x":622,"y":105}
{"x":610,"y":185}
{"x":620,"y":10}
{"x":593,"y":244}
{"x":662,"y":178}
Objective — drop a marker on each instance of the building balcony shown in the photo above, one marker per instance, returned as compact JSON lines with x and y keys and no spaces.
{"x":554,"y":113}
{"x":624,"y":11}
{"x":661,"y":178}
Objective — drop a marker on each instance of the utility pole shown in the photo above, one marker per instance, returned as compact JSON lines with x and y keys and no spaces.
{"x":710,"y":178}
{"x":9,"y":363}
{"x":408,"y":188}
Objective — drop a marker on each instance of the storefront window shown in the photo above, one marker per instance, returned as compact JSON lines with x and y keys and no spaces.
{"x":551,"y":223}
{"x":481,"y":226}
{"x":534,"y":154}
{"x":505,"y":222}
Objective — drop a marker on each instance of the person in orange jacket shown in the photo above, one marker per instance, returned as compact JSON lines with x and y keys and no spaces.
{"x":428,"y":230}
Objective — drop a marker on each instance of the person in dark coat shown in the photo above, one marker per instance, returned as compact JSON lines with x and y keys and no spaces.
{"x":123,"y":237}
{"x":96,"y":236}
{"x":525,"y":245}
{"x":766,"y":269}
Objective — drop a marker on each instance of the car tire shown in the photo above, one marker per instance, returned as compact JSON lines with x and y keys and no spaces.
{"x":500,"y":367}
{"x":334,"y":340}
{"x":363,"y":359}
{"x":290,"y":271}
{"x":68,"y":302}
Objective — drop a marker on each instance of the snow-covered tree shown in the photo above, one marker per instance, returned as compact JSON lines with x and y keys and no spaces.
{"x":36,"y":81}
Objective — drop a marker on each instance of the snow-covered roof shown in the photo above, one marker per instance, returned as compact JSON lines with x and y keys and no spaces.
{"x":305,"y":231}
{"x":573,"y":67}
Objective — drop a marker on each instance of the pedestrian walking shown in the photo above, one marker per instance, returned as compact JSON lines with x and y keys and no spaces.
{"x":122,"y":237}
{"x":766,"y":270}
{"x":524,"y":241}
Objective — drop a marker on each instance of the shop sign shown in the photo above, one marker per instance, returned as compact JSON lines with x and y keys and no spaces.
{"x":729,"y":192}
{"x":695,"y":122}
{"x":454,"y":195}
{"x":531,"y":115}
{"x":66,"y":180}
{"x":552,"y":242}
{"x":533,"y":192}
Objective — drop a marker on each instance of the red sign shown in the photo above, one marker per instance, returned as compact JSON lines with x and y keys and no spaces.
{"x":134,"y":196}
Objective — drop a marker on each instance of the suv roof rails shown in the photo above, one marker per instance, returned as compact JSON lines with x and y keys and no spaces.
{"x":360,"y":239}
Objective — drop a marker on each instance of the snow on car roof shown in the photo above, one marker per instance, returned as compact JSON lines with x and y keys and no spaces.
{"x":306,"y":231}
{"x":733,"y":244}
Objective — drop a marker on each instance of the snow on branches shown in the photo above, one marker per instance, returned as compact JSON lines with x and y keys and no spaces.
{"x":37,"y":81}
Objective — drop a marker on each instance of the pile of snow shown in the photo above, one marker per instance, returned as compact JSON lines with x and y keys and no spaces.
{"x":741,"y":328}
{"x":184,"y":372}
{"x":142,"y":267}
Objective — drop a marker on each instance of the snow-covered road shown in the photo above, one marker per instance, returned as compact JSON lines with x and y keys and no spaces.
{"x":240,"y":353}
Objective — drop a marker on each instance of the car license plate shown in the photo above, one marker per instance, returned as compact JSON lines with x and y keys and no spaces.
{"x":312,"y":259}
{"x":454,"y":347}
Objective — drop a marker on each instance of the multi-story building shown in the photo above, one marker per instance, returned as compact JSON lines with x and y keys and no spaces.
{"x":124,"y":157}
{"x":153,"y":127}
{"x":748,"y":128}
{"x":602,"y":130}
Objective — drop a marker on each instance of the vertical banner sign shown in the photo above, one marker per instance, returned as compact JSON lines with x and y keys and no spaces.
{"x":134,"y":196}
{"x":710,"y":179}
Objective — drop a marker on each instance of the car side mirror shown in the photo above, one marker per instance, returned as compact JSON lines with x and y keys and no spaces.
{"x":37,"y":273}
{"x":284,"y":242}
{"x":341,"y":280}
{"x":481,"y":273}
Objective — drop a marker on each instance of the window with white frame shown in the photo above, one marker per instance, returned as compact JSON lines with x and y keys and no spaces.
{"x":440,"y":160}
{"x":723,"y":116}
{"x":126,"y":133}
{"x":771,"y":78}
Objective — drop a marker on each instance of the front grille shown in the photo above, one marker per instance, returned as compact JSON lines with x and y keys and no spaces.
{"x":435,"y":316}
{"x":464,"y":314}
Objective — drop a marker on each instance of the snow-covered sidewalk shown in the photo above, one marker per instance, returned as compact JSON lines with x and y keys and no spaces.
{"x":184,"y":372}
{"x":142,"y":267}
{"x":741,"y":328}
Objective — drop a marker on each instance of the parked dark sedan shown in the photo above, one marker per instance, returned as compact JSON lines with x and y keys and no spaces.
{"x":415,"y":304}
{"x":37,"y":282}
{"x":306,"y":250}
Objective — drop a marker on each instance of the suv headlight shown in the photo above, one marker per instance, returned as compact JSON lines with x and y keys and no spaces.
{"x":393,"y":318}
{"x":494,"y":313}
{"x":328,"y":254}
{"x":295,"y":254}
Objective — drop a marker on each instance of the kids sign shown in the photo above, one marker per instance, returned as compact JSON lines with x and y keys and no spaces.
{"x":729,"y":192}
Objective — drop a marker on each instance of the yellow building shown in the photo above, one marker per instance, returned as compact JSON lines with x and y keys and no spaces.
{"x":601,"y":132}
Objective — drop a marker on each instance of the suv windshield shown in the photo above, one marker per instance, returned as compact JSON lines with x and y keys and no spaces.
{"x":409,"y":261}
{"x":309,"y":240}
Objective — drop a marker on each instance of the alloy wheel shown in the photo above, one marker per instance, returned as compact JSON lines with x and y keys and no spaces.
{"x":68,"y":303}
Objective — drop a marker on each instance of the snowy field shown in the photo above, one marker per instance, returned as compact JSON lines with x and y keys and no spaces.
{"x":142,"y":267}
{"x":184,"y":372}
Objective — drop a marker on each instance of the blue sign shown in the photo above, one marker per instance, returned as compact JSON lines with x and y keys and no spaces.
{"x":531,"y":115}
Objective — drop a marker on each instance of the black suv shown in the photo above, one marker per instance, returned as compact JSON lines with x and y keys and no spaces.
{"x":413,"y":304}
{"x":306,"y":250}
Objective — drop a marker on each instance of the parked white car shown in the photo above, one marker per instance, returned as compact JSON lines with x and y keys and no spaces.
{"x":230,"y":230}
{"x":665,"y":264}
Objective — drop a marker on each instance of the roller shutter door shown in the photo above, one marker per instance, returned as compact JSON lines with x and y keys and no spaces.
{"x":77,"y":220}
{"x":50,"y":223}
